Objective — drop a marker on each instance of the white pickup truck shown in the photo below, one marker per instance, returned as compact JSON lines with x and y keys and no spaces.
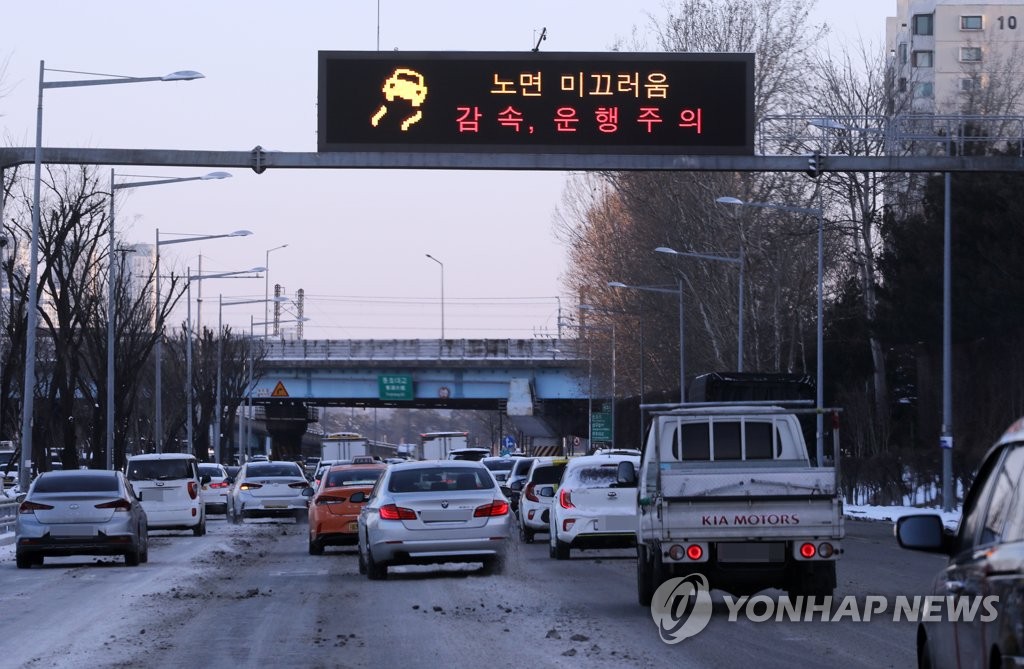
{"x":730,"y":492}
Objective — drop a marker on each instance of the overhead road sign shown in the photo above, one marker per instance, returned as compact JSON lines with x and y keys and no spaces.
{"x":540,"y":103}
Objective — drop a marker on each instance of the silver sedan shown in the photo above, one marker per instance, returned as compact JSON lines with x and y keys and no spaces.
{"x":269,"y":490}
{"x":432,"y":512}
{"x":80,"y":512}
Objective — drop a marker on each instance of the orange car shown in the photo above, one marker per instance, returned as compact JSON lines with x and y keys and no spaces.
{"x":337,"y":502}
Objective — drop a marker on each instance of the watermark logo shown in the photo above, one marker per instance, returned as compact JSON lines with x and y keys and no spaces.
{"x":681,"y":607}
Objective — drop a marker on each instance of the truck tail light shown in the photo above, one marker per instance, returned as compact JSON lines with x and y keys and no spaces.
{"x":694,"y":552}
{"x":807,"y":551}
{"x":826,"y":550}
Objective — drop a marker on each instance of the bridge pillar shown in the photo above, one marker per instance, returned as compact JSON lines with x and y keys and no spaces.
{"x":286,"y":422}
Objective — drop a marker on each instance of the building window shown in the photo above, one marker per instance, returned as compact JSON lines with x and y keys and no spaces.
{"x":903,"y":85}
{"x":903,"y":53}
{"x":924,"y":89}
{"x":970,"y":23}
{"x":922,"y":59}
{"x":970,"y":54}
{"x":924,"y":24}
{"x":969,"y":84}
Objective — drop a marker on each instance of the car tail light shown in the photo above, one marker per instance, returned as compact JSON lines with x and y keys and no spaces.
{"x":498,"y":507}
{"x":395,"y":512}
{"x":30,"y":507}
{"x":250,"y":486}
{"x":116,"y":505}
{"x":299,"y":484}
{"x":221,"y":484}
{"x":329,"y":499}
{"x":530,"y":495}
{"x":807,"y":551}
{"x":565,"y":499}
{"x":193,"y":489}
{"x":694,"y":552}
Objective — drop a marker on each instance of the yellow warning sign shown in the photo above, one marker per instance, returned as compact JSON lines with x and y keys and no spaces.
{"x":279,"y":390}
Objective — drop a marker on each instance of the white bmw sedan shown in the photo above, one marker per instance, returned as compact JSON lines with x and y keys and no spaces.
{"x":431,"y":512}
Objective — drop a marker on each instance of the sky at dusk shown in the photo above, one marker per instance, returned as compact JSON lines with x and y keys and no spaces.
{"x":356,"y":239}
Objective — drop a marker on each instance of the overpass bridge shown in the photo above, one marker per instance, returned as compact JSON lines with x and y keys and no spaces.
{"x":541,"y":385}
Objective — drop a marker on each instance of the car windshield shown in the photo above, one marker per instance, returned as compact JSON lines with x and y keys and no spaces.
{"x":160,"y":470}
{"x":595,"y":476}
{"x":425,"y":479}
{"x":547,"y":474}
{"x":75,"y":482}
{"x":273,"y":469}
{"x":353,"y":477}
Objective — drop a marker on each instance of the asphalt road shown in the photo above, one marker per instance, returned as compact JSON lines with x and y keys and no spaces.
{"x":251,"y":596}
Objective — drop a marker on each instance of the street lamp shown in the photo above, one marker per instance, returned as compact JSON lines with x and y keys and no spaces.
{"x":682,"y":329}
{"x":266,"y":287}
{"x":220,"y":347}
{"x":188,"y":348}
{"x":735,"y":260}
{"x":159,"y":326}
{"x":28,"y":390}
{"x":111,"y":280}
{"x":442,"y":291}
{"x":819,"y":390}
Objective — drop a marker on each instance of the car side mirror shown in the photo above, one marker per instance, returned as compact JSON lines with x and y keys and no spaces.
{"x":358,"y":497}
{"x":923,"y":532}
{"x":546,"y":491}
{"x":517,"y":485}
{"x":626,"y":476}
{"x":307,"y":492}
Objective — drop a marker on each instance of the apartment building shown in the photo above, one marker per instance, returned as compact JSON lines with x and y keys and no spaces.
{"x":955,"y":57}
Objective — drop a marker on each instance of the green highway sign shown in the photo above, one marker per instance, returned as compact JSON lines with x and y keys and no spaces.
{"x":601,"y":426}
{"x":395,"y":387}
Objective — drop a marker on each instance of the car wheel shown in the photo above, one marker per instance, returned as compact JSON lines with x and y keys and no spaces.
{"x":301,"y":516}
{"x":644,"y":576}
{"x":525,"y":534}
{"x":924,"y":655}
{"x":200,"y":529}
{"x":561,"y":550}
{"x":23,"y":561}
{"x":374,"y":571}
{"x":362,"y":562}
{"x":144,"y":553}
{"x":315,"y":547}
{"x":133,"y":557}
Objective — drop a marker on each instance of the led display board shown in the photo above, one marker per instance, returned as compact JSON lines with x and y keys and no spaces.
{"x":542,"y":103}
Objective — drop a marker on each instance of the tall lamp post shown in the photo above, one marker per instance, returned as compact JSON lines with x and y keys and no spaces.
{"x":111,"y":281}
{"x":28,"y":390}
{"x":735,"y":260}
{"x":682,"y":328}
{"x":158,"y":419}
{"x":819,"y":378}
{"x":442,"y":291}
{"x":640,"y":320}
{"x":220,"y":347}
{"x":188,"y":347}
{"x":266,"y":287}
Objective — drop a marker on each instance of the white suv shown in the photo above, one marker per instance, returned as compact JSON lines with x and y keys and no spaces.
{"x":168,"y":485}
{"x":591,"y":509}
{"x":535,"y":502}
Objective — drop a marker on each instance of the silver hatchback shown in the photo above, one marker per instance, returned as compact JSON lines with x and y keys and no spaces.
{"x":80,"y":512}
{"x":432,"y":512}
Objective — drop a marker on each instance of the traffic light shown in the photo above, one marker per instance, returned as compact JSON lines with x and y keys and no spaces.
{"x":815,"y":163}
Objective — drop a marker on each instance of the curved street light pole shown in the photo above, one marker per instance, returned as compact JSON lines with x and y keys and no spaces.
{"x":111,"y":301}
{"x":158,"y":418}
{"x":266,"y":287}
{"x":442,"y":291}
{"x":32,"y":324}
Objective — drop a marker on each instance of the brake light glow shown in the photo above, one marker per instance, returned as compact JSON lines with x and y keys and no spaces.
{"x":498,"y":507}
{"x":529,"y":494}
{"x":395,"y":512}
{"x":30,"y":507}
{"x":116,"y":505}
{"x":221,"y":484}
{"x":694,"y":552}
{"x":565,"y":499}
{"x":193,"y":489}
{"x":250,"y":486}
{"x":807,"y":551}
{"x":329,"y":499}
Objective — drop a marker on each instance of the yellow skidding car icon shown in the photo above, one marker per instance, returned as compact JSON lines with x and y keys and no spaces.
{"x":408,"y":85}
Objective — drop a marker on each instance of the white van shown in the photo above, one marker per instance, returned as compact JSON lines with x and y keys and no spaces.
{"x":169,"y":487}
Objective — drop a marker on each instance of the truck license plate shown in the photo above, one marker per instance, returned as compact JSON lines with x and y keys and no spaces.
{"x":751,"y":552}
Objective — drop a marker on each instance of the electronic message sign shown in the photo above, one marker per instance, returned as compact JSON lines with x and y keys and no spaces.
{"x":542,"y":103}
